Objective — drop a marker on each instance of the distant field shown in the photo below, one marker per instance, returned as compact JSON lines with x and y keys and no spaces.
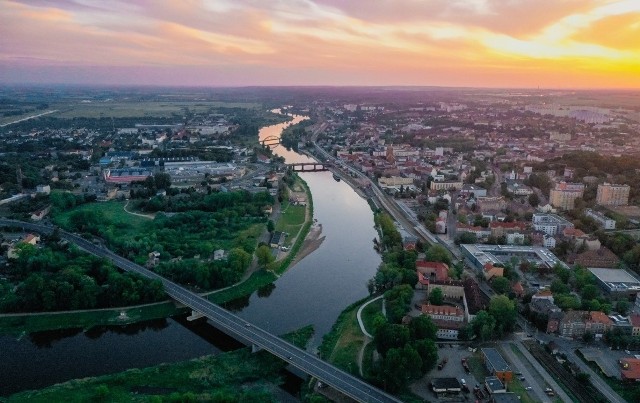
{"x":140,"y":109}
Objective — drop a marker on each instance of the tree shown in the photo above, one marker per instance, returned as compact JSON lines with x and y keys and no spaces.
{"x":589,"y":292}
{"x":428,"y":352}
{"x":503,"y":311}
{"x":482,"y":326}
{"x":622,"y":307}
{"x":390,"y":336}
{"x":264,"y":255}
{"x":422,"y":327}
{"x":162,"y":180}
{"x":534,"y":200}
{"x":270,"y":226}
{"x":438,"y":253}
{"x":436,"y":297}
{"x":501,"y":285}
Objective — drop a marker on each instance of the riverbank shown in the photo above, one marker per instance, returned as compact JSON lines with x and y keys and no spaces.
{"x":234,"y":376}
{"x":306,"y":241}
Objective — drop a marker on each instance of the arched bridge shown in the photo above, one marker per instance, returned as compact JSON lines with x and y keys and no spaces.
{"x":232,"y":324}
{"x":309,"y":166}
{"x":270,"y":141}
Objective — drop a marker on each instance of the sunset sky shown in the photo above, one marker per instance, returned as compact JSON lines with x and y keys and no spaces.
{"x":482,"y":43}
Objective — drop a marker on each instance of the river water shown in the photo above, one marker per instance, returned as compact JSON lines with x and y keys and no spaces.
{"x":313,"y":292}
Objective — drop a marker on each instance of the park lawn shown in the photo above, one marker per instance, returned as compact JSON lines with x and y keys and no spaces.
{"x":348,"y":341}
{"x":233,"y":374}
{"x":113,"y":212}
{"x":291,"y":220}
{"x":29,"y":323}
{"x":369,"y":313}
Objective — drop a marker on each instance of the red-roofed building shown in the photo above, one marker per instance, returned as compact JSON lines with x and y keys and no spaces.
{"x":491,"y":271}
{"x":518,"y":289}
{"x":502,"y":228}
{"x":598,"y":323}
{"x":435,"y":270}
{"x":443,"y":312}
{"x":630,"y":369}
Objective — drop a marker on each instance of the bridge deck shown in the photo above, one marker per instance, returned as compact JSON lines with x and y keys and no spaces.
{"x":307,"y":362}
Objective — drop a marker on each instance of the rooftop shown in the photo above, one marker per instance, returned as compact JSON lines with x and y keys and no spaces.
{"x":495,"y":359}
{"x":500,"y":254}
{"x":616,"y":279}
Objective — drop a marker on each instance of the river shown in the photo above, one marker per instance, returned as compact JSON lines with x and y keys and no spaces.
{"x":314,"y":291}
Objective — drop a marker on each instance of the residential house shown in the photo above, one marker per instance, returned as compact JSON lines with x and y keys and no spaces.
{"x":630,"y":369}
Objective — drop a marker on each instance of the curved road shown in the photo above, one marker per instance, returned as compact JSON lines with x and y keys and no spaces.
{"x":307,"y":362}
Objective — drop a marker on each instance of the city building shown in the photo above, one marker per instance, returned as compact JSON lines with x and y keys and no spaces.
{"x":445,"y":385}
{"x":453,"y":289}
{"x":572,"y":324}
{"x":617,"y":282}
{"x":630,"y":369}
{"x":564,"y":195}
{"x":494,"y":386}
{"x":550,"y":224}
{"x":480,"y":254}
{"x":602,"y":220}
{"x":496,"y":365}
{"x":447,"y":185}
{"x":612,"y":195}
{"x":126,"y":175}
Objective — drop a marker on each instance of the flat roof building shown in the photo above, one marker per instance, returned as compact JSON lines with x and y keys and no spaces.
{"x":602,"y":220}
{"x":481,"y":254}
{"x":496,"y":365}
{"x":617,"y":281}
{"x":446,"y":385}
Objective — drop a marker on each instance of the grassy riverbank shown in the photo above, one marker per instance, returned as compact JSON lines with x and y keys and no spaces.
{"x":301,"y":218}
{"x":234,"y":376}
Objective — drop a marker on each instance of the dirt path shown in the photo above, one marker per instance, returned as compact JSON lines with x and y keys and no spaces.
{"x":149,"y":216}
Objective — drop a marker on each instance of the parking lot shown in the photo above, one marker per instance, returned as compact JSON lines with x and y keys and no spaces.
{"x":452,"y":369}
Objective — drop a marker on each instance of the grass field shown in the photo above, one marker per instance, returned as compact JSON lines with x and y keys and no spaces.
{"x":113,"y":212}
{"x":120,"y":109}
{"x":291,"y":220}
{"x":257,"y":280}
{"x":369,"y":313}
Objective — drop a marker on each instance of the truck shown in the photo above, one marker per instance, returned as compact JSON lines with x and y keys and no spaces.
{"x":465,"y":365}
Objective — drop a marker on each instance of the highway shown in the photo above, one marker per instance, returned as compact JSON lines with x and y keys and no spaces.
{"x":225,"y":320}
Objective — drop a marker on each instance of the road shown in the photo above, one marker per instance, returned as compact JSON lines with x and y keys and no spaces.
{"x":225,"y":320}
{"x":537,"y":390}
{"x":28,"y":118}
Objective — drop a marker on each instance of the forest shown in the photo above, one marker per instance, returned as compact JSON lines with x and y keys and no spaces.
{"x":60,"y":277}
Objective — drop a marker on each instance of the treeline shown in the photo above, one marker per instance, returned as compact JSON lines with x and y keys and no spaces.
{"x":294,"y":134}
{"x":58,"y":278}
{"x":240,"y":203}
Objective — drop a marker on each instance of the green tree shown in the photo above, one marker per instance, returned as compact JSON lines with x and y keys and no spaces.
{"x":436,"y":297}
{"x":438,"y":253}
{"x":270,"y":226}
{"x":482,"y":326}
{"x":501,"y":285}
{"x":428,"y":352}
{"x":504,"y":312}
{"x":422,"y":327}
{"x":264,"y":255}
{"x":622,"y":307}
{"x":389,"y":336}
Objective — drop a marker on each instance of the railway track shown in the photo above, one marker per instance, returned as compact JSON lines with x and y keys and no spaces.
{"x":584,"y":393}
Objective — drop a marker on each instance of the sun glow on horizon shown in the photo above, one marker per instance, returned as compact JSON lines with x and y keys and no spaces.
{"x":556,"y":43}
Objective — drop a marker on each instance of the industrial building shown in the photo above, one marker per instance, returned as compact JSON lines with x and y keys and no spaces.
{"x":496,"y":365}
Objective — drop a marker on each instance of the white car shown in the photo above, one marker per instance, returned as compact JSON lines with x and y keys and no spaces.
{"x":462,"y":381}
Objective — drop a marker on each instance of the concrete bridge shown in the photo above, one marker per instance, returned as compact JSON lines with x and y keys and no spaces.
{"x":232,"y":324}
{"x":309,"y":166}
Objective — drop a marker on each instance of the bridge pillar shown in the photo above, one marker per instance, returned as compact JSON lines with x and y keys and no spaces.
{"x":195,"y":315}
{"x":255,"y":349}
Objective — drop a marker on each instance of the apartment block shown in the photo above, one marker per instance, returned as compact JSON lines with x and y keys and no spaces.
{"x":602,"y":220}
{"x":564,"y":195}
{"x":612,"y":195}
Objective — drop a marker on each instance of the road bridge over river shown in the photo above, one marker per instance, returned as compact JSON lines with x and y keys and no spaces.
{"x":232,"y":324}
